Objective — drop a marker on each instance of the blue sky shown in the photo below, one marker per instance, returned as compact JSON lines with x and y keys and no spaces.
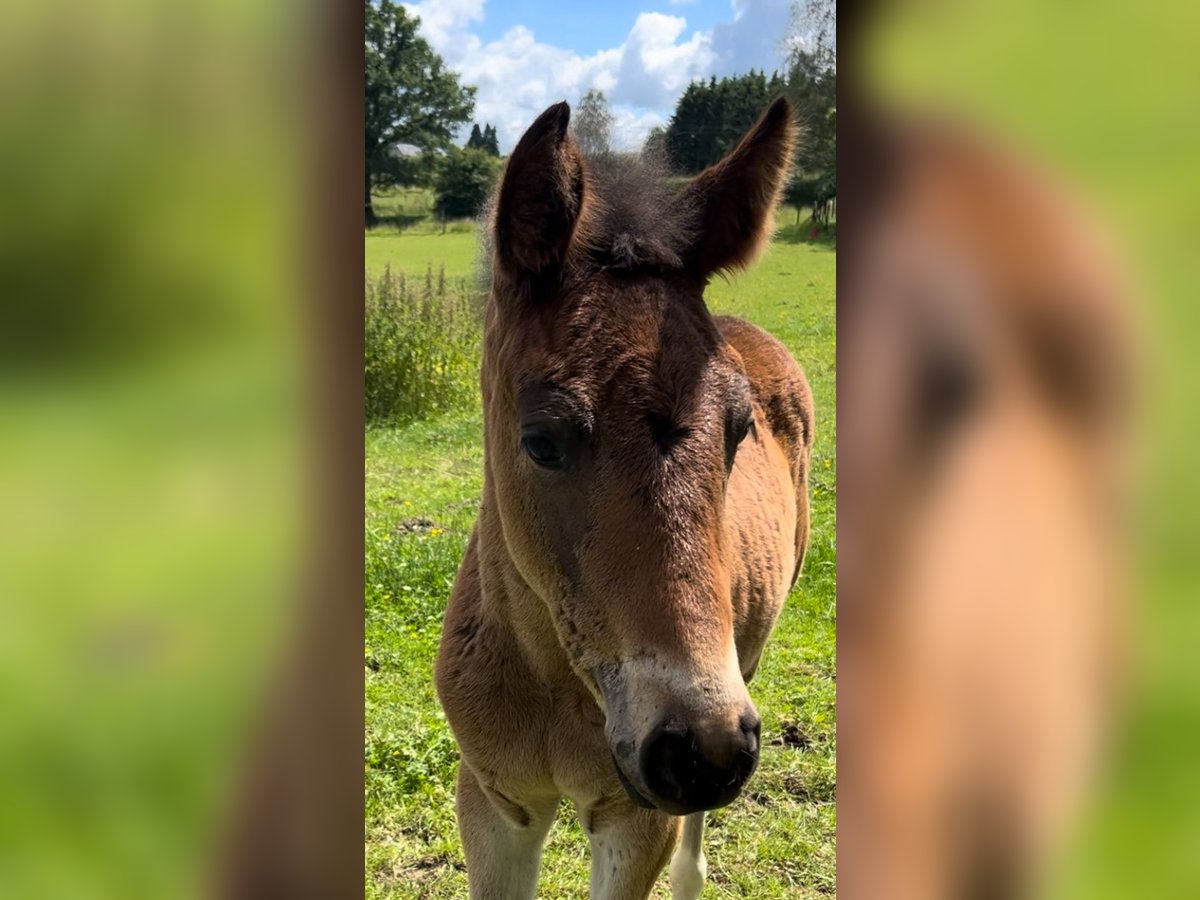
{"x":588,"y":27}
{"x":523,"y":55}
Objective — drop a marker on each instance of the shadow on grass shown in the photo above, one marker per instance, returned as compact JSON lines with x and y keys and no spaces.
{"x":420,"y":224}
{"x":807,"y":233}
{"x":397,"y":221}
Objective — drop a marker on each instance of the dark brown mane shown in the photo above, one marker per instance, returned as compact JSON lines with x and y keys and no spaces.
{"x":639,"y":220}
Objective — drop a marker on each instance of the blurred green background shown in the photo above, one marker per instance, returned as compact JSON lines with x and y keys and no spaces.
{"x":1106,"y":94}
{"x":151,"y":431}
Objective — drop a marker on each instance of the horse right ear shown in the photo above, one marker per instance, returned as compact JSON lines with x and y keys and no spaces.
{"x":735,"y":197}
{"x":541,"y":196}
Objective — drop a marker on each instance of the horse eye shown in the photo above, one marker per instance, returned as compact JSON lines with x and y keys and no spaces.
{"x":542,"y":449}
{"x":948,"y":387}
{"x":743,"y":429}
{"x":736,"y":428}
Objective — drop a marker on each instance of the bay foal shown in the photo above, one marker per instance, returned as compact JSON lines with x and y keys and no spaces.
{"x":644,"y":514}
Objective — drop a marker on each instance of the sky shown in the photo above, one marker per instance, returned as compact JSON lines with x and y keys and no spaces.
{"x":523,"y":55}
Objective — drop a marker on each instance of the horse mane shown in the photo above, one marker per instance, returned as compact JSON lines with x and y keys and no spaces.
{"x":637,"y":220}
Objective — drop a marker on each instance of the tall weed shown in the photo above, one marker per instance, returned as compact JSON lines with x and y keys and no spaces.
{"x":422,"y":346}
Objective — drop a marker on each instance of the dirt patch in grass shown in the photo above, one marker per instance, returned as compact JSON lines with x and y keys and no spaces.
{"x":792,"y":736}
{"x":418,"y":525}
{"x":411,"y":872}
{"x":817,"y":791}
{"x":759,"y":798}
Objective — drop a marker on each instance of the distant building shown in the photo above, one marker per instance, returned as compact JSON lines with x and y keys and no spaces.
{"x":404,"y":151}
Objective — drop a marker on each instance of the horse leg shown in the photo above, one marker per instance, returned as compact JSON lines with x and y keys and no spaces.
{"x":688,"y":865}
{"x":502,"y":839}
{"x":630,"y":847}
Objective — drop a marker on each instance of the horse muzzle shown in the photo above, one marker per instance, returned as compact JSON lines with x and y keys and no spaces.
{"x":682,"y":769}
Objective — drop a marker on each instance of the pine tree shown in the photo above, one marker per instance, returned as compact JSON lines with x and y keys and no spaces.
{"x":712,"y":116}
{"x":491,"y":143}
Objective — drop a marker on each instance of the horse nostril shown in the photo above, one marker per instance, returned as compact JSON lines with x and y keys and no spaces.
{"x":751,"y":726}
{"x":686,"y":774}
{"x":668,"y":763}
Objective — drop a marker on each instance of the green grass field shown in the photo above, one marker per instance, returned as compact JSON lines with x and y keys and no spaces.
{"x":411,"y":241}
{"x":414,"y":251}
{"x":423,"y":483}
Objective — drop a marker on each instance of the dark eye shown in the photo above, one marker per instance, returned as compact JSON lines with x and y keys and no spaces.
{"x":948,"y":387}
{"x":542,"y":449}
{"x":742,"y":428}
{"x":737,"y":426}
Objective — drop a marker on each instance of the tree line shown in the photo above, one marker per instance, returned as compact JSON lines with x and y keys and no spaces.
{"x":712,"y":115}
{"x":483,"y":140}
{"x":414,"y":106}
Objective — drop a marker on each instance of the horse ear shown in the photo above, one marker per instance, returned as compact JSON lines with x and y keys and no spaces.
{"x":733,"y":199}
{"x":541,"y":196}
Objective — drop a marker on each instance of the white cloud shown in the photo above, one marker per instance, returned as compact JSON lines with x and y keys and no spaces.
{"x":630,"y":126}
{"x":753,"y":40}
{"x":442,"y":19}
{"x":517,"y":76}
{"x":655,"y":68}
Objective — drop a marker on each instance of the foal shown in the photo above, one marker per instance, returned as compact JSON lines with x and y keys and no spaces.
{"x":644,"y":514}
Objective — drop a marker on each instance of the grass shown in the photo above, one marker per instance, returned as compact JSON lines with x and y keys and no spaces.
{"x":415,"y":202}
{"x":423,"y":483}
{"x":416,"y":247}
{"x":410,"y":240}
{"x":414,"y":250}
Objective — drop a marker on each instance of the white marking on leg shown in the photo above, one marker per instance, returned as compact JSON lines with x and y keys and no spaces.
{"x":688,"y":865}
{"x":630,"y":847}
{"x":502,"y":855}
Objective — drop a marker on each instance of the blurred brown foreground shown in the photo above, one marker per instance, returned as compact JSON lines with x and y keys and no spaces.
{"x":1017,"y":671}
{"x":985,"y":377}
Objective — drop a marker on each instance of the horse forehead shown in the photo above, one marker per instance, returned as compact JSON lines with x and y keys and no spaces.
{"x":640,"y":342}
{"x":676,"y":382}
{"x":653,"y":347}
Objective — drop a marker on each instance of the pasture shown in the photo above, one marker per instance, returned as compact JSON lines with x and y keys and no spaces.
{"x":415,"y":250}
{"x":423,"y":483}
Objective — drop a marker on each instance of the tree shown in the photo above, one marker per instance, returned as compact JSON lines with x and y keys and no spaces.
{"x":655,"y":145}
{"x":812,"y":87}
{"x":464,"y":180}
{"x":813,"y":91}
{"x":813,"y":29}
{"x":592,"y":124}
{"x":484,"y":140}
{"x":410,"y":97}
{"x":491,"y":143}
{"x":816,"y":191}
{"x":711,"y":117}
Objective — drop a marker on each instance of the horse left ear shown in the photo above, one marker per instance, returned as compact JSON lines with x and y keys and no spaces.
{"x":734,"y":198}
{"x":541,"y":196}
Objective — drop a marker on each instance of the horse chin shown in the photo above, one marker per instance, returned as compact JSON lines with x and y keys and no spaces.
{"x":630,"y":790}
